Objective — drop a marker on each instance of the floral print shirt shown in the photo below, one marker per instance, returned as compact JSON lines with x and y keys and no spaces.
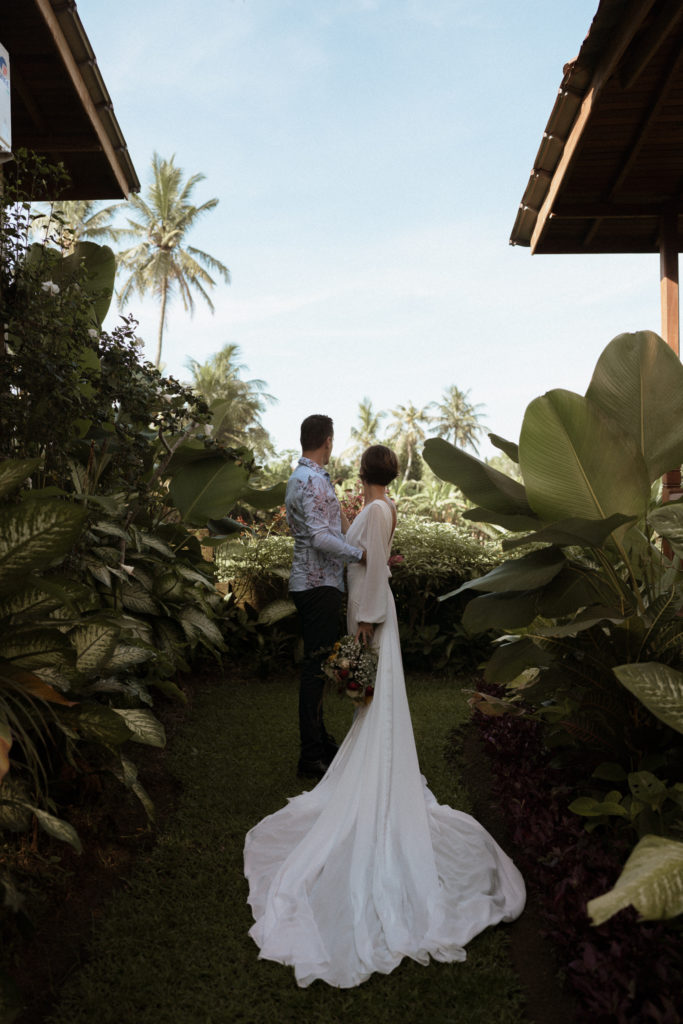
{"x":314,"y":518}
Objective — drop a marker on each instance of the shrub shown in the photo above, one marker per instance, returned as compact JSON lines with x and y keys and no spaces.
{"x":431,"y":558}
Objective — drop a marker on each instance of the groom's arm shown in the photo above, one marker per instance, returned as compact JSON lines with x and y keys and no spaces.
{"x":319,"y":507}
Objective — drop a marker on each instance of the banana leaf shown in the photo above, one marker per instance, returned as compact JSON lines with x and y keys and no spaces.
{"x":480,"y":483}
{"x":504,"y":612}
{"x":526,"y":573}
{"x":575,"y":463}
{"x":638,"y":383}
{"x":509,"y":447}
{"x":572,"y":532}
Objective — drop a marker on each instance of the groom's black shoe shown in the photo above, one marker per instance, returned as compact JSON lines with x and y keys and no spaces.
{"x":312,"y":769}
{"x":330,"y":747}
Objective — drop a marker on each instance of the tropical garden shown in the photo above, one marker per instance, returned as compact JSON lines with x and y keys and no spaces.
{"x":144,"y":559}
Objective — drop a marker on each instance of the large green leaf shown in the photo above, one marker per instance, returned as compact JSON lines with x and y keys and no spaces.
{"x":103,"y":725}
{"x":505,"y":612}
{"x":638,"y":382}
{"x":480,"y":483}
{"x":510,"y":659}
{"x":99,"y":264}
{"x":508,"y":522}
{"x":264,"y":499}
{"x":58,"y":828}
{"x":144,"y":726}
{"x":198,"y":626}
{"x":275,"y":611}
{"x":575,"y":464}
{"x":509,"y":447}
{"x":207,"y":489}
{"x":34,"y":535}
{"x":572,"y":532}
{"x":13,"y":472}
{"x":526,"y":573}
{"x":668,"y":522}
{"x":94,"y":643}
{"x":659,"y":687}
{"x":652,"y":882}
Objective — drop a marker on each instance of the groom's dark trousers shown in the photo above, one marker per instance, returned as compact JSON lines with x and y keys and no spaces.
{"x":319,"y":613}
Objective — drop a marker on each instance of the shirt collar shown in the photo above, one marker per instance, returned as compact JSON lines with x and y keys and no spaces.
{"x":310,"y":464}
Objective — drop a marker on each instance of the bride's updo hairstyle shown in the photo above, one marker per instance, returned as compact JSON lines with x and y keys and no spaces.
{"x":378,"y":465}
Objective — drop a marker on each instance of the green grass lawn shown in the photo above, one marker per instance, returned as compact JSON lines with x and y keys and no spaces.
{"x":173,"y":946}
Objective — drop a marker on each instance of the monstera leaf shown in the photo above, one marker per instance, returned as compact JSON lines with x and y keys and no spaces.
{"x":638,"y":383}
{"x":576,"y":464}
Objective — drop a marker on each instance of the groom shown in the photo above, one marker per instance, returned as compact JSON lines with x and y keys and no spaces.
{"x":316,"y":583}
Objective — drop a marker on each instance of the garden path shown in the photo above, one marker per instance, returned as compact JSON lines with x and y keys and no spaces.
{"x":172,"y":946}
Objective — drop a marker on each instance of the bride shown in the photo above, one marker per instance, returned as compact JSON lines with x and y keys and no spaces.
{"x":367,"y":868}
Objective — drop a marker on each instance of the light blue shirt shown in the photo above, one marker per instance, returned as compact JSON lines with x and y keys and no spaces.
{"x":314,"y":518}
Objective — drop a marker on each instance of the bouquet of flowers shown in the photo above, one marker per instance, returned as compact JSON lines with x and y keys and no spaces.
{"x":353,"y":666}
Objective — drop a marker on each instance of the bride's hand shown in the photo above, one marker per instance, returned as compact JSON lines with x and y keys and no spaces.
{"x":365,"y":632}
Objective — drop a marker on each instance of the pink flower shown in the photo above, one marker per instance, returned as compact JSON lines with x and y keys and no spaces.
{"x":396,"y":559}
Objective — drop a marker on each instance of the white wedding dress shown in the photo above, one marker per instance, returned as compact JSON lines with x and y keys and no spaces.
{"x":367,"y":868}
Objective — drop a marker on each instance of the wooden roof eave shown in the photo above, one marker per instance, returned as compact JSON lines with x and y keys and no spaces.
{"x":64,"y":24}
{"x":561,"y":142}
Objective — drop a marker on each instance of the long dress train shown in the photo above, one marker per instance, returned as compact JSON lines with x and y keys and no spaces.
{"x":367,"y":867}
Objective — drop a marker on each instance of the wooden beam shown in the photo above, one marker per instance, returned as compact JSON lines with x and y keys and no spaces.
{"x":638,"y":11}
{"x":86,"y":99}
{"x":608,"y":210}
{"x":652,"y":38}
{"x":61,"y":144}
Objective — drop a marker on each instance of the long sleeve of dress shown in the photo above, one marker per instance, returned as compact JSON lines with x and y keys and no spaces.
{"x":372,"y":606}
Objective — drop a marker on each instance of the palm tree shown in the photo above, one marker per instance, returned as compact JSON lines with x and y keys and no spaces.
{"x":456,"y":419}
{"x":366,"y":432}
{"x":157,"y":263}
{"x":71,"y":221}
{"x":407,"y":432}
{"x":219,"y":380}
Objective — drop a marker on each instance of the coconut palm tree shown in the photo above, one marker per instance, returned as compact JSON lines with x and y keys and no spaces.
{"x":406,"y":433}
{"x":456,"y":419}
{"x":74,"y":220}
{"x":219,"y":380}
{"x":367,"y":431}
{"x":159,"y":262}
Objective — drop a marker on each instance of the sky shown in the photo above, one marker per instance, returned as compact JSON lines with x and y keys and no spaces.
{"x":369,"y":157}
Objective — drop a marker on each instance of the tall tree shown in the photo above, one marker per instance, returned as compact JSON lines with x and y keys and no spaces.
{"x":456,"y":419}
{"x":160,"y":262}
{"x":70,"y":221}
{"x":367,"y":430}
{"x":406,"y":433}
{"x":219,"y":380}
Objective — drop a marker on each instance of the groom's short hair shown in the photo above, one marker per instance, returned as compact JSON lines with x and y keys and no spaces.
{"x":315,"y":430}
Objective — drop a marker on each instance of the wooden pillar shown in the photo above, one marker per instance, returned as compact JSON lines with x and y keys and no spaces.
{"x":668,"y":283}
{"x":668,"y":278}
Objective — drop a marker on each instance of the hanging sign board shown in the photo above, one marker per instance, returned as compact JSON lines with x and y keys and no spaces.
{"x":5,"y":108}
